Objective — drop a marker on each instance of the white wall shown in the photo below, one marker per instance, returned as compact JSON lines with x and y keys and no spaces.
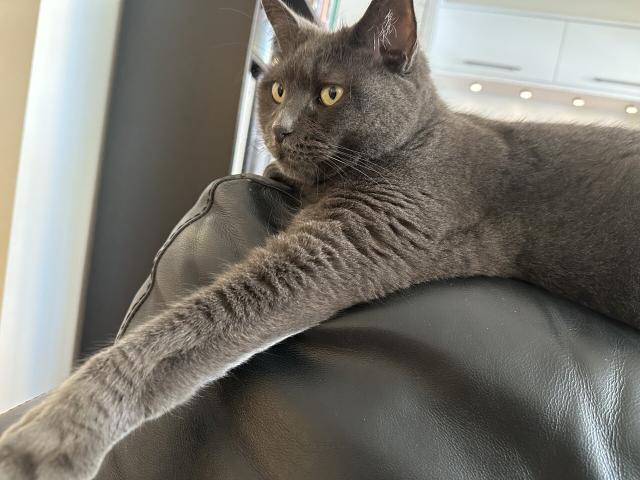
{"x":551,"y":102}
{"x":17,"y":33}
{"x":616,"y":10}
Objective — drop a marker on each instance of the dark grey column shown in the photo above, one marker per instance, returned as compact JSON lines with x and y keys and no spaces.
{"x":171,"y":127}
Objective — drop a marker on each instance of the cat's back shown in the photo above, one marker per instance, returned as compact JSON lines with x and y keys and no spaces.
{"x":568,"y":162}
{"x":573,"y":196}
{"x":590,"y":144}
{"x":566,"y":142}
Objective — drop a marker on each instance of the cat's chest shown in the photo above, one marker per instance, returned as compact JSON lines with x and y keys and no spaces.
{"x":384,"y":203}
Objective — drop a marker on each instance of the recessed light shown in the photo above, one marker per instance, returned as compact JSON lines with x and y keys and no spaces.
{"x":475,"y":87}
{"x":631,"y":109}
{"x":579,"y":102}
{"x":526,"y":94}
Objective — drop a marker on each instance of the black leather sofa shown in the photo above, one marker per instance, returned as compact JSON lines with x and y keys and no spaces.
{"x":466,"y":379}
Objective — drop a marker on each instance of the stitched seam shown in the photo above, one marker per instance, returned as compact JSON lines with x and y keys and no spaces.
{"x":177,"y":231}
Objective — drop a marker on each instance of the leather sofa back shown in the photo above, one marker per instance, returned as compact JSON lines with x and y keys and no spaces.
{"x":474,"y":378}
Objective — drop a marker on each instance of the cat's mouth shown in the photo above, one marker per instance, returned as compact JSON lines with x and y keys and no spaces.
{"x":304,"y":163}
{"x":311,"y":160}
{"x":294,"y":155}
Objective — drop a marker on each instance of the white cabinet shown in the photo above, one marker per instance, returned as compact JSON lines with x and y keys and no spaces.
{"x":601,"y":57}
{"x":495,"y":44}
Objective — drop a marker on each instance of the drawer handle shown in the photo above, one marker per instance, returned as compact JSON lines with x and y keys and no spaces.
{"x":616,"y":82}
{"x":498,"y":66}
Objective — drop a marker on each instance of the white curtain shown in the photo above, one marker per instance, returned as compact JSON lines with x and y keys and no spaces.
{"x":54,"y":204}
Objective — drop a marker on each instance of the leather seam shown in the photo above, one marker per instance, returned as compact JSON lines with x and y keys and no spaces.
{"x":151,"y":279}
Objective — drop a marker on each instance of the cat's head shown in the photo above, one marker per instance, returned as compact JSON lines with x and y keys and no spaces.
{"x":331,"y":99}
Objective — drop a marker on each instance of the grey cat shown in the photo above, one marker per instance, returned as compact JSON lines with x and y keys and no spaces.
{"x":397,"y":190}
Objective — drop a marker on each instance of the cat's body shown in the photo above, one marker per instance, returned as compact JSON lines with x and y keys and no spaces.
{"x":572,"y":204}
{"x":397,"y":190}
{"x":555,"y":205}
{"x":552,"y":204}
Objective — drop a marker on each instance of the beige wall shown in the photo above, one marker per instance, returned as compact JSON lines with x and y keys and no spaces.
{"x":18,"y":20}
{"x":618,"y":10}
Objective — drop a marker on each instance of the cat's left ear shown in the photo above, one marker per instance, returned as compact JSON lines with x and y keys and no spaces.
{"x":389,"y":27}
{"x":290,"y":28}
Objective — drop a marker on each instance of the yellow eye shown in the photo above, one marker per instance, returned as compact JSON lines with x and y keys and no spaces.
{"x":278,"y":92}
{"x":331,"y":95}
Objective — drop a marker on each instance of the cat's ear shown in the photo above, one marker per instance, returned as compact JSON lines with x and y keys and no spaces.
{"x":290,"y":28}
{"x":389,"y":27}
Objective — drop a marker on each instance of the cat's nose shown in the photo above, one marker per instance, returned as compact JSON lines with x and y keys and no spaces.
{"x":281,"y":132}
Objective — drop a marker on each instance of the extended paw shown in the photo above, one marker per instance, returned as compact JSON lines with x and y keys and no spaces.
{"x":34,"y":450}
{"x":17,"y":464}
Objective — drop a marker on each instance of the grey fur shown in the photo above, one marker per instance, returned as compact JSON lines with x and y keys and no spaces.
{"x":398,"y":190}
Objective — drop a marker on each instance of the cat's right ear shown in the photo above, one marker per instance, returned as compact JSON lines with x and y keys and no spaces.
{"x":288,"y":26}
{"x":390,"y":29}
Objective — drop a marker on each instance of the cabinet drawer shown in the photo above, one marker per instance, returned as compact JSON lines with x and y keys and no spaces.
{"x":601,"y":57}
{"x":494,"y":44}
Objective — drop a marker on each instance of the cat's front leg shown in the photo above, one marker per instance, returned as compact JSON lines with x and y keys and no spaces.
{"x":320,"y":265}
{"x":66,"y":436}
{"x":152,"y":370}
